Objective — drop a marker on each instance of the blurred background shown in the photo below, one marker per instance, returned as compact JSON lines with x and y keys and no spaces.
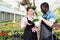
{"x":11,"y":12}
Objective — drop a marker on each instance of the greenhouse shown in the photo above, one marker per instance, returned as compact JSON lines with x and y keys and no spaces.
{"x":11,"y":13}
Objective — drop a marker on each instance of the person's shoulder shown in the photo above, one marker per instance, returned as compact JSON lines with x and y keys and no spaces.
{"x":24,"y":18}
{"x":52,"y":14}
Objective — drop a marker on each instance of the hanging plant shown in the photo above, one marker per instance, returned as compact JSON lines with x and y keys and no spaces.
{"x":27,"y":2}
{"x":24,"y":2}
{"x":33,"y":7}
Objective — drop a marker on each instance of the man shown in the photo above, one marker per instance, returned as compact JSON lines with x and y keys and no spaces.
{"x":47,"y":22}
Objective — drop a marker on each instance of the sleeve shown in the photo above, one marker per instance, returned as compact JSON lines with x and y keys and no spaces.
{"x":23,"y":21}
{"x":52,"y":18}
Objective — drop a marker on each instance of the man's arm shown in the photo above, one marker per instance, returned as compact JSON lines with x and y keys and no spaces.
{"x":49,"y":23}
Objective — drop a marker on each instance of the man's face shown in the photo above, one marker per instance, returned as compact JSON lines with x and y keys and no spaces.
{"x":44,"y":10}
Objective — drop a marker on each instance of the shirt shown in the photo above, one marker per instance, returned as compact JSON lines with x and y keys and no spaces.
{"x":50,"y":16}
{"x":24,"y":20}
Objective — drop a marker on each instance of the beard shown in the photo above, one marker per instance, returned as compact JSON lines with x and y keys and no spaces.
{"x":43,"y":12}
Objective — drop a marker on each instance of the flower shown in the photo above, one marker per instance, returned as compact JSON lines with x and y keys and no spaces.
{"x":34,"y":29}
{"x":2,"y":33}
{"x":9,"y":33}
{"x":36,"y":21}
{"x":6,"y":34}
{"x":16,"y":35}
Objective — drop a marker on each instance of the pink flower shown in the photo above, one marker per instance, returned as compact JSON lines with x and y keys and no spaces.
{"x":34,"y":29}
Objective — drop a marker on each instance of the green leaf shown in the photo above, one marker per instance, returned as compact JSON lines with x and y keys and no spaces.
{"x":34,"y":20}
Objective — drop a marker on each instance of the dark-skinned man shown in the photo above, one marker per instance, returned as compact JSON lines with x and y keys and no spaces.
{"x":47,"y":22}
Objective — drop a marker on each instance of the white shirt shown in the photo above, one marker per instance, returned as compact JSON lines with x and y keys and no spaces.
{"x":25,"y":21}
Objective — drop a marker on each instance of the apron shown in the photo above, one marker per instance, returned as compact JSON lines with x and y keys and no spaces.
{"x":28,"y":34}
{"x":45,"y":31}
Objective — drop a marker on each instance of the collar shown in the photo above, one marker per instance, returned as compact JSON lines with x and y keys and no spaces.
{"x":44,"y":15}
{"x":48,"y":12}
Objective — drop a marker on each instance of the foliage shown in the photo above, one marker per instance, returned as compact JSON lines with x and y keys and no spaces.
{"x":34,"y":20}
{"x":57,"y":32}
